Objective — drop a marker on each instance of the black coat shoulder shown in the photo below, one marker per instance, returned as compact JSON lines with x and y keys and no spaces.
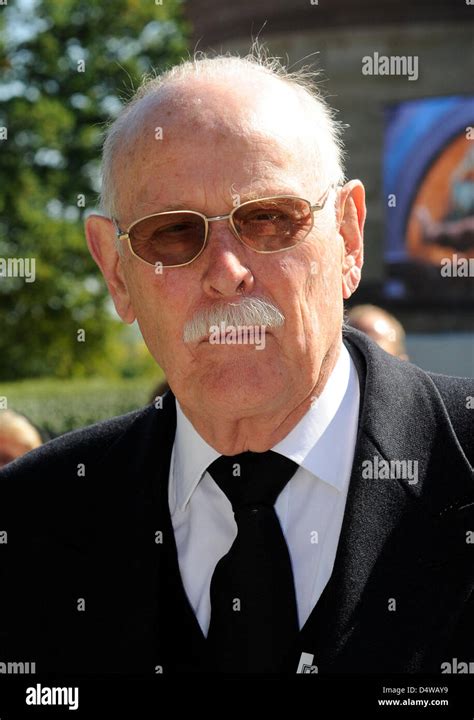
{"x":83,"y":445}
{"x":454,"y":396}
{"x":457,"y":395}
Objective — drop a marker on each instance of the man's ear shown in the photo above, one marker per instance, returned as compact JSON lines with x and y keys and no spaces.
{"x":351,"y":218}
{"x":100,"y":234}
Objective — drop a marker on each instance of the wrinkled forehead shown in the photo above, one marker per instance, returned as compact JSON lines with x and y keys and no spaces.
{"x":266,"y":107}
{"x":244,"y":137}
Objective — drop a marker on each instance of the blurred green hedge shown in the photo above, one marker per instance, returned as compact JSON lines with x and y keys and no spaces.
{"x":57,"y":406}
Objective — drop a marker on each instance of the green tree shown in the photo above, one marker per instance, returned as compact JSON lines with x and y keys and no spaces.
{"x":65,"y":66}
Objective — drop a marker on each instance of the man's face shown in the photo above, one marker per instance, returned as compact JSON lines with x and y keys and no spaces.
{"x":206,"y":158}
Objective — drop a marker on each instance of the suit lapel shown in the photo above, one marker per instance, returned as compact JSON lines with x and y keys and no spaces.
{"x":180,"y":639}
{"x":372,"y":511}
{"x":163,"y":628}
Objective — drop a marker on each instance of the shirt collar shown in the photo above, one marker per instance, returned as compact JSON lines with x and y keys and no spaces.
{"x":320,"y":442}
{"x":323,"y":441}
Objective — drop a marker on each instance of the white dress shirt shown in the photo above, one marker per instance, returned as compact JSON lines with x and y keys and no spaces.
{"x":310,"y":507}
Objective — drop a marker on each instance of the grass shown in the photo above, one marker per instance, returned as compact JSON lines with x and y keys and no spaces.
{"x":57,"y":406}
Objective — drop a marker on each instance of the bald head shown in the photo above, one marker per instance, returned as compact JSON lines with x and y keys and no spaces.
{"x":232,"y":98}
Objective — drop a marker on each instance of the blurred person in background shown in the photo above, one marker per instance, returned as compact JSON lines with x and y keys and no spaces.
{"x":17,"y":436}
{"x":381,"y":326}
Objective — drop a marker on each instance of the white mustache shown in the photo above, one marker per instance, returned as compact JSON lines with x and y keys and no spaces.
{"x":248,"y":312}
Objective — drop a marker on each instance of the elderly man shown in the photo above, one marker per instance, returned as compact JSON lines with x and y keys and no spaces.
{"x":300,"y":501}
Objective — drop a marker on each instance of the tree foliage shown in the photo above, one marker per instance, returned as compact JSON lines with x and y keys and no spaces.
{"x":66,"y":67}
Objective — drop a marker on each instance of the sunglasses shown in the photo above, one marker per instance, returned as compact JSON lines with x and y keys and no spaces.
{"x":177,"y":237}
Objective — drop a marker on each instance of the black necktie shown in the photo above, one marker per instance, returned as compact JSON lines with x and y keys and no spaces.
{"x":254,"y":618}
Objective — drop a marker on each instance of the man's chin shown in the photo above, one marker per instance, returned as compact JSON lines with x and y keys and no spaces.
{"x":241,"y":388}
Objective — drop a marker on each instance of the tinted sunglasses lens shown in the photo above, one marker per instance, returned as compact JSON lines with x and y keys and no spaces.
{"x":273,"y":224}
{"x":170,"y":238}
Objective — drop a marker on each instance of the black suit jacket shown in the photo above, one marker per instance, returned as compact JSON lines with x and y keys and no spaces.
{"x":90,"y":579}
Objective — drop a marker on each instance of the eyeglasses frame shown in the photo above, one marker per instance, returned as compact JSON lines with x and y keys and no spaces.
{"x":125,"y":235}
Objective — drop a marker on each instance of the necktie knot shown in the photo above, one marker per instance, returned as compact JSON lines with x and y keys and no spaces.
{"x":252,"y":479}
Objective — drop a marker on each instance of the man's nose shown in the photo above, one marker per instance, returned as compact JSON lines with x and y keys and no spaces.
{"x":226,"y":274}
